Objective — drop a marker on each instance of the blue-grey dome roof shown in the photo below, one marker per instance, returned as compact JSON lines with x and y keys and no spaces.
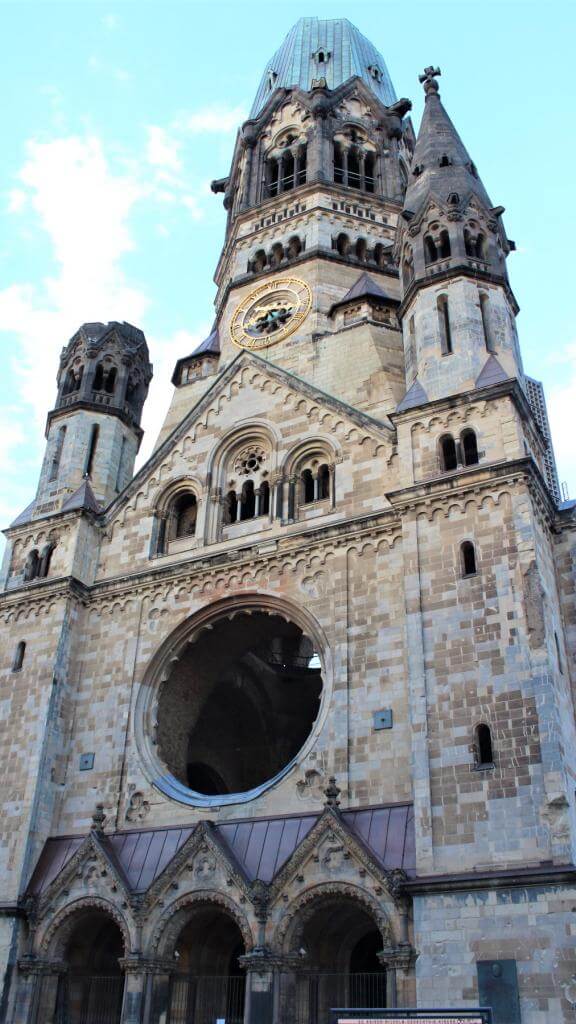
{"x":296,"y":62}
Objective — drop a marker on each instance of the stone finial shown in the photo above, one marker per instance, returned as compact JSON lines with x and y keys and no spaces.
{"x":98,"y":818}
{"x":332,"y":792}
{"x":428,"y":79}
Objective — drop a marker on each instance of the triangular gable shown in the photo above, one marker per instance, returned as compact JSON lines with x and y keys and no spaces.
{"x":378,"y":429}
{"x":491,"y":373}
{"x":91,"y":861}
{"x":414,"y":397}
{"x":199,"y":858}
{"x":83,"y":498}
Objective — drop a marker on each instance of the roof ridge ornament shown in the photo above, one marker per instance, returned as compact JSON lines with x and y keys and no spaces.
{"x":428,"y":80}
{"x":332,"y":792}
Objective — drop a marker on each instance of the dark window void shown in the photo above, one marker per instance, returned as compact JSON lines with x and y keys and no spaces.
{"x":484,"y":752}
{"x":444,"y":325}
{"x":210,"y":984}
{"x":239,"y":704}
{"x":469,"y":446}
{"x":91,"y":453}
{"x":307,"y":486}
{"x":558,"y":654}
{"x":57,"y":456}
{"x":486,"y":322}
{"x":185,"y":514}
{"x":92,"y":988}
{"x":448,"y":457}
{"x":19,"y":656}
{"x":468,"y":558}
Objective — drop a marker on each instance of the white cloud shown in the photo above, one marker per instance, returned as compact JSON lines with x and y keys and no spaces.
{"x":214,"y":119}
{"x":110,"y":22}
{"x":161,"y":150}
{"x":16,"y":200}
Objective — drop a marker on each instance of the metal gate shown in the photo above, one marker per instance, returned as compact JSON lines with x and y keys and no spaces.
{"x":205,"y":999}
{"x":308,"y":998}
{"x":89,"y":999}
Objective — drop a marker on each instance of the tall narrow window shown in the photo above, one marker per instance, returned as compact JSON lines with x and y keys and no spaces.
{"x":486,"y":322}
{"x":558,"y":654}
{"x":444,"y":325}
{"x":93,"y":444}
{"x":56,"y":458}
{"x":307,"y":485}
{"x":264,"y":499}
{"x":98,"y":382}
{"x":121,"y":464}
{"x":19,"y":656}
{"x":110,"y":380}
{"x":338,"y":164}
{"x":353,"y":168}
{"x":231,"y":509}
{"x":369,"y":178}
{"x":430,"y":250}
{"x":343,"y":244}
{"x":469,"y":448}
{"x":444,"y":245}
{"x":361,"y":249}
{"x":448,"y":456}
{"x":185,"y":512}
{"x":323,"y":482}
{"x":248,"y":501}
{"x":468,"y":558}
{"x":484,"y":751}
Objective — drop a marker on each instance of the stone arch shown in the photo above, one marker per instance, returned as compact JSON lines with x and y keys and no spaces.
{"x":306,"y":905}
{"x":166,"y":495}
{"x":54,"y":934}
{"x":174,"y":918}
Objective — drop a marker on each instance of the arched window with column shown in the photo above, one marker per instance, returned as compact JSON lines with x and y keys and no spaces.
{"x":243,"y":468}
{"x":176,"y":517}
{"x":286,"y":164}
{"x":310,"y":470}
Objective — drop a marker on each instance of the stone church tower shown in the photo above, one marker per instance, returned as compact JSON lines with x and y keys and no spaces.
{"x":288,"y":716}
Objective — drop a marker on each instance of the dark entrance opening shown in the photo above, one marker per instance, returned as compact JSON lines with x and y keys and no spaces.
{"x":209,"y":984}
{"x":239,"y":703}
{"x":92,"y":989}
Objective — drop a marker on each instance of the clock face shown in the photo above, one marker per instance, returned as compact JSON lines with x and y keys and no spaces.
{"x":270,"y":313}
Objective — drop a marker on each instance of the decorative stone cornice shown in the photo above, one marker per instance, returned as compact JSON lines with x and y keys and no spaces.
{"x":401,"y":957}
{"x":31,"y":964}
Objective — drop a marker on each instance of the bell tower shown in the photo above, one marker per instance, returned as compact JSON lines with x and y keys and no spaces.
{"x":93,"y":433}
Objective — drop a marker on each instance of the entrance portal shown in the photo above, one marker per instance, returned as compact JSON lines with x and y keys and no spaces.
{"x":92,"y":989}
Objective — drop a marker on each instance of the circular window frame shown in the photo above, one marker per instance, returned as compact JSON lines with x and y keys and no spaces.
{"x":158,"y":672}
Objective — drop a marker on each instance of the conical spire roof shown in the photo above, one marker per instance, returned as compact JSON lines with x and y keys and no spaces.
{"x":441,"y":164}
{"x":345,"y":53}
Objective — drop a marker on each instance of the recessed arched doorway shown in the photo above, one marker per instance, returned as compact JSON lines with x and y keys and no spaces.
{"x":208,"y":982}
{"x":92,"y":989}
{"x":337,"y":942}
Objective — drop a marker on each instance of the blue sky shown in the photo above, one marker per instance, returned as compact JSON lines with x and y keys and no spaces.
{"x":117,"y":116}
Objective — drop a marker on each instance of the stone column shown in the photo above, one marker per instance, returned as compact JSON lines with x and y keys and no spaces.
{"x":262,"y":986}
{"x":291,"y":499}
{"x":37,"y":990}
{"x":399,"y":963}
{"x":156,"y":990}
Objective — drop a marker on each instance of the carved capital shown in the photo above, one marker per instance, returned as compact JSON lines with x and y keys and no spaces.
{"x":402,"y":957}
{"x":36,"y":965}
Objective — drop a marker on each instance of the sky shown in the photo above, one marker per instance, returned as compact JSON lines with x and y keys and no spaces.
{"x":116,"y":117}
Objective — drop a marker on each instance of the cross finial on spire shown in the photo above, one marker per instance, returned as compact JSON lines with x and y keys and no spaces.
{"x":428,"y":79}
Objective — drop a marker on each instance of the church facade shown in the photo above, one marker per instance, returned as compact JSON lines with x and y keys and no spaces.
{"x":288,"y":715}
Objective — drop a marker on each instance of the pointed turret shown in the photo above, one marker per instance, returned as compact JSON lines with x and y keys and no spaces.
{"x":457,"y":300}
{"x":441,"y":165}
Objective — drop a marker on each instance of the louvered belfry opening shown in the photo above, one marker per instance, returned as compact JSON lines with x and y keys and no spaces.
{"x":239,"y":704}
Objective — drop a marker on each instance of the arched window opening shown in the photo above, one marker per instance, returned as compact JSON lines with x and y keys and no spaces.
{"x":468,"y":558}
{"x":307,"y":486}
{"x":323,"y":482}
{"x":353,"y":168}
{"x":361,"y":250}
{"x":73,"y":380}
{"x":369,"y":178}
{"x":231,"y":508}
{"x":483,"y":745}
{"x":259,"y":261}
{"x":407,"y":269}
{"x":302,"y":165}
{"x":263,"y":499}
{"x":185,"y":514}
{"x":19,"y":656}
{"x":469,"y":445}
{"x":481,"y":247}
{"x":276,"y":255}
{"x":486,"y":322}
{"x":247,"y":501}
{"x":110,"y":380}
{"x":98,"y":382}
{"x":430,"y":250}
{"x":343,"y":244}
{"x":272,"y":175}
{"x":91,"y":453}
{"x":444,"y":245}
{"x":468,"y":243}
{"x":45,"y":559}
{"x":287,"y":182}
{"x":56,"y":458}
{"x":32,"y":565}
{"x":294,"y":247}
{"x":444,"y":325}
{"x":380,"y":255}
{"x":448,"y":455}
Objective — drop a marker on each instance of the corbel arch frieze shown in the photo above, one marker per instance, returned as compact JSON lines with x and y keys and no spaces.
{"x":166,"y":929}
{"x":54,"y":928}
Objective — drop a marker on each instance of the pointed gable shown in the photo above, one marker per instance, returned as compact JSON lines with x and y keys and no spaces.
{"x":365,"y":288}
{"x":414,"y":396}
{"x":83,"y":498}
{"x":491,"y":373}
